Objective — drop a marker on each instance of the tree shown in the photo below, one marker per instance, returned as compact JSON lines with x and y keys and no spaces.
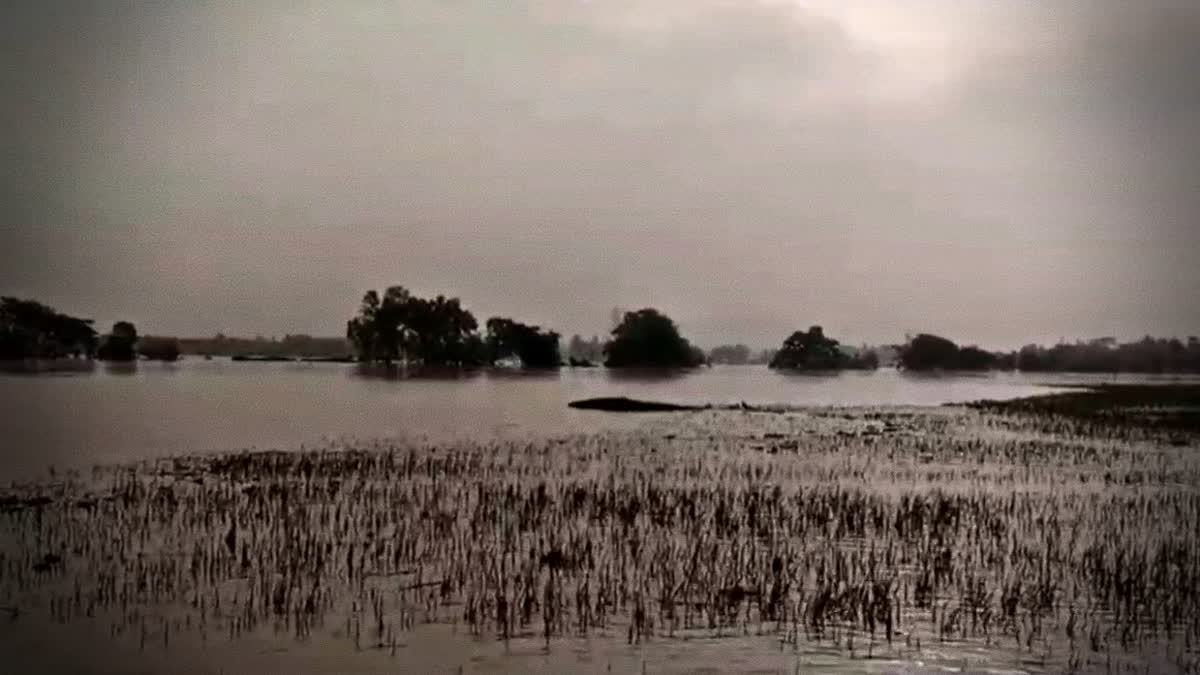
{"x":439,"y":332}
{"x":402,"y":326}
{"x":813,"y":350}
{"x":649,"y":339}
{"x":158,"y":348}
{"x":121,"y":343}
{"x":974,"y":358}
{"x":29,"y":329}
{"x":536,"y":348}
{"x":929,"y":352}
{"x":810,"y":350}
{"x":1006,"y":361}
{"x":1106,"y":355}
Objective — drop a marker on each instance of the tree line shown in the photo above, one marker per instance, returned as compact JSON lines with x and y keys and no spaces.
{"x":1106,"y":355}
{"x":32,"y":330}
{"x":399,"y":327}
{"x":297,"y":346}
{"x":1103,"y":355}
{"x":740,"y":355}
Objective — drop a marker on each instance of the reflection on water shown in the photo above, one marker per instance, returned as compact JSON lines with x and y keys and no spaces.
{"x":131,"y":368}
{"x":654,"y":374}
{"x":400,"y":372}
{"x":123,"y":411}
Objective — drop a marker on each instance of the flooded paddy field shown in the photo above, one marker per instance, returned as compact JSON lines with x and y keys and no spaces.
{"x":895,"y":539}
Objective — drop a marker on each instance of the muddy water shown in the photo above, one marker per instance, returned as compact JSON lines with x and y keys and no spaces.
{"x":122,"y":413}
{"x":179,"y":566}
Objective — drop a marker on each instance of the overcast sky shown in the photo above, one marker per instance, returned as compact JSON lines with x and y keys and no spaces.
{"x":994,"y":171}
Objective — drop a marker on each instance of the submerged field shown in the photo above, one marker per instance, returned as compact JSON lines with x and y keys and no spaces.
{"x":877,"y":540}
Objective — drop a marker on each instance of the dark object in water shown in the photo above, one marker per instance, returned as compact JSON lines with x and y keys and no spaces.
{"x":623,"y":404}
{"x":329,"y":359}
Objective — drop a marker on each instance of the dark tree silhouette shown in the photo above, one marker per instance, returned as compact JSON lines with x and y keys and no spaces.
{"x":31,"y":330}
{"x":296,"y":346}
{"x":929,"y":352}
{"x":932,"y":352}
{"x":158,"y":348}
{"x":401,"y":326}
{"x":649,"y":339}
{"x":1101,"y":355}
{"x":536,"y":348}
{"x":813,"y":350}
{"x":974,"y":358}
{"x":121,"y":343}
{"x":376,"y":332}
{"x":1106,"y":355}
{"x":809,"y":351}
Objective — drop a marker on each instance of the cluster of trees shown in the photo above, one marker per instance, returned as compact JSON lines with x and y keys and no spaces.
{"x":31,"y":330}
{"x":535,"y":347}
{"x":1103,"y":355}
{"x":648,"y":338}
{"x":813,"y":350}
{"x":1106,"y":355}
{"x":401,"y":327}
{"x":124,"y":344}
{"x":933,"y":352}
{"x":121,"y":344}
{"x":298,"y":346}
{"x":398,"y":326}
{"x":158,"y":348}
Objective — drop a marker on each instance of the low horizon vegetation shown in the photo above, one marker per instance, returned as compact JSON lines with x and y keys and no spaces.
{"x":439,"y":331}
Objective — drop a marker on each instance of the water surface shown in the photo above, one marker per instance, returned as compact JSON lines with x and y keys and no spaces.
{"x":152,"y":409}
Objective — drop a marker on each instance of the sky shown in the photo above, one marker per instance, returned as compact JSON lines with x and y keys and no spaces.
{"x":995,"y":172}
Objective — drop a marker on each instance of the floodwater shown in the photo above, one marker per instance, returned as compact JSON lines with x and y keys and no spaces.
{"x":178,"y":565}
{"x":543,"y":556}
{"x":131,"y":412}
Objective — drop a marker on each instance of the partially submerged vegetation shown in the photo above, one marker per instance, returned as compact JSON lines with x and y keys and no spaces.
{"x":813,"y":350}
{"x":1117,"y":406}
{"x":623,"y":404}
{"x":31,"y":330}
{"x":397,"y":326}
{"x":904,"y":534}
{"x":648,"y":338}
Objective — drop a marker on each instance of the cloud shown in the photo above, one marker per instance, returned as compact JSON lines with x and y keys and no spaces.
{"x":749,"y":166}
